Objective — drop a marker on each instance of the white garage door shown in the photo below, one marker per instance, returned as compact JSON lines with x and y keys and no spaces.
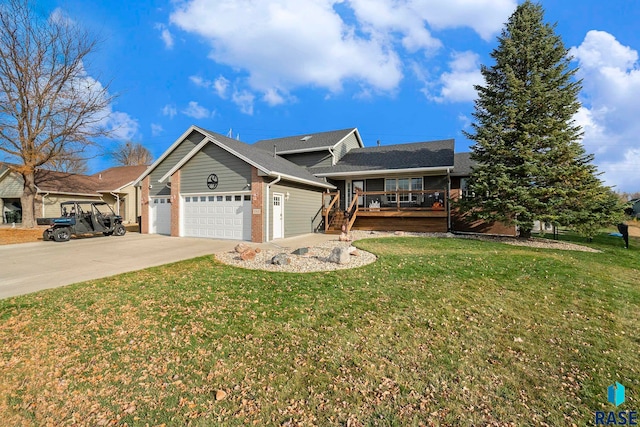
{"x":160,"y":214}
{"x":219,"y":217}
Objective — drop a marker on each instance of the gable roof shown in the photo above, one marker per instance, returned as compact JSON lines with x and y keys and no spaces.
{"x":417,"y":156}
{"x":266,"y":162}
{"x":462,"y":164}
{"x":307,"y":142}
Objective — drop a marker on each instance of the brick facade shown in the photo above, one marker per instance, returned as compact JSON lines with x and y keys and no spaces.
{"x":144,"y":205}
{"x":257,"y":207}
{"x":175,"y":204}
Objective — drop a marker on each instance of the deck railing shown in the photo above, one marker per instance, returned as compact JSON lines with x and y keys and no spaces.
{"x":431,"y":200}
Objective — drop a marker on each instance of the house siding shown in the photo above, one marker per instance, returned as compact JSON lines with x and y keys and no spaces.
{"x":52,"y":204}
{"x":312,"y":159}
{"x":233,"y":173}
{"x":11,"y":187}
{"x":349,"y":143}
{"x":161,"y":189}
{"x":302,"y":212}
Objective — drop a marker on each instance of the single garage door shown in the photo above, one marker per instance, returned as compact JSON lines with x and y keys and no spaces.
{"x":219,"y":217}
{"x":160,"y":214}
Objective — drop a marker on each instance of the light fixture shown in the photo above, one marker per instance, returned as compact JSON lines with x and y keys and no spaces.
{"x":286,"y":196}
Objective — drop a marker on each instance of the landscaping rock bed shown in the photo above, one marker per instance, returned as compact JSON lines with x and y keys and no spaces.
{"x":315,"y":259}
{"x":324,"y":257}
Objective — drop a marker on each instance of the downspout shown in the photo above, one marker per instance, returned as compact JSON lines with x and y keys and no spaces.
{"x":269,"y":202}
{"x":117,"y":196}
{"x":448,"y":200}
{"x":333,"y":157}
{"x":43,"y":200}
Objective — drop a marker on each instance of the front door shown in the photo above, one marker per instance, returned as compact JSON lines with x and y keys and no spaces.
{"x":358,"y":186}
{"x":278,"y":216}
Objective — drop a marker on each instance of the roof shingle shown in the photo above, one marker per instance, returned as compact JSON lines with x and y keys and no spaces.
{"x":309,"y":141}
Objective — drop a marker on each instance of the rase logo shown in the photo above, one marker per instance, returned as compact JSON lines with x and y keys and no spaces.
{"x":615,"y":396}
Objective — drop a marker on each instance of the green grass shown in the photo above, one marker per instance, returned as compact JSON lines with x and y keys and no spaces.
{"x":437,"y":332}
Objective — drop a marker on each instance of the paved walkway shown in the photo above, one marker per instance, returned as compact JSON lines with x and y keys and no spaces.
{"x":31,"y":267}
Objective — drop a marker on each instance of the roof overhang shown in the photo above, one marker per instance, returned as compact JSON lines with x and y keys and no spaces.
{"x":306,"y":150}
{"x":443,"y":169}
{"x":208,"y":139}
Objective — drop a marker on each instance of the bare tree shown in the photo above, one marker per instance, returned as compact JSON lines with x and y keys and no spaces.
{"x":132,"y":154}
{"x":50,"y":108}
{"x":69,"y":164}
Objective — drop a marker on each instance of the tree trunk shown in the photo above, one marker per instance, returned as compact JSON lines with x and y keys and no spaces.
{"x":28,"y":200}
{"x":525,"y":233}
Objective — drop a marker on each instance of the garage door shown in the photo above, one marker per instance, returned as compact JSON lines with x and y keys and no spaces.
{"x":160,"y":214}
{"x":219,"y":217}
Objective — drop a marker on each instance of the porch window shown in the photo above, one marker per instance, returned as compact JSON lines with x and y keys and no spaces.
{"x":390,"y":185}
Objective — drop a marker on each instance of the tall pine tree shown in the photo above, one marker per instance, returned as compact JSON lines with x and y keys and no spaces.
{"x":531,"y":164}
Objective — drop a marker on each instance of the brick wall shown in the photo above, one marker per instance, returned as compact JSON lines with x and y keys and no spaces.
{"x":175,"y":204}
{"x":144,"y":205}
{"x":257,"y":207}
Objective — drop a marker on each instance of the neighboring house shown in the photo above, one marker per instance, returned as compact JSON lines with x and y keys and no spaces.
{"x":114,"y":185}
{"x":208,"y":185}
{"x":634,"y":206}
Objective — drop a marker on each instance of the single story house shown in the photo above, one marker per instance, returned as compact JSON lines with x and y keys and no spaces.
{"x":209,"y":185}
{"x":114,"y":186}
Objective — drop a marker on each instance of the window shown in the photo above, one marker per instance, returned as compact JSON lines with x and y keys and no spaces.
{"x":228,"y":198}
{"x":195,"y":199}
{"x":464,"y":188}
{"x":403,"y":184}
{"x":390,"y":185}
{"x":156,"y":201}
{"x":203,"y":198}
{"x":161,"y":200}
{"x":247,"y":198}
{"x":212,"y":198}
{"x":238,"y":198}
{"x":219,"y":198}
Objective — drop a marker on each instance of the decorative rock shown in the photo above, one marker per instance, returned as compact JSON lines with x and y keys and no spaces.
{"x":339,"y":256}
{"x":221,"y":394}
{"x":258,"y":250}
{"x":241,"y":247}
{"x":281,"y":259}
{"x":399,"y":233}
{"x":354,"y":253}
{"x":249,"y":254}
{"x":351,"y":249}
{"x":301,"y":251}
{"x":344,"y":237}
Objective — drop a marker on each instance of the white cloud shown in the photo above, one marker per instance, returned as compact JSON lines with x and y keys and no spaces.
{"x":221,"y":85}
{"x":197,"y":111}
{"x":611,"y":100}
{"x":169,"y":110}
{"x":458,"y":84}
{"x":165,"y":35}
{"x":244,"y":100}
{"x":287,"y":44}
{"x":156,"y":129}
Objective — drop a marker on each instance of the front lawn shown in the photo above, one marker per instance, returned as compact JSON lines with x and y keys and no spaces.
{"x":437,"y":332}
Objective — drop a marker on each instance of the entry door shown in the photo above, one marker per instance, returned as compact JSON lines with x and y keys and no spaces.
{"x":278,"y":216}
{"x":358,"y":185}
{"x":160,"y":214}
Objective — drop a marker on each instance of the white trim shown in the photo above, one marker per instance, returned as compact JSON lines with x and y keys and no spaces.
{"x":70,"y":194}
{"x":166,"y":153}
{"x":269,"y":201}
{"x":223,"y":193}
{"x":305,"y":150}
{"x":386,"y":171}
{"x":207,"y":139}
{"x":356,"y":133}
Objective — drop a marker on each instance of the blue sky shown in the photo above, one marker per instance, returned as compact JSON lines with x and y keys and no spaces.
{"x":398,"y":70}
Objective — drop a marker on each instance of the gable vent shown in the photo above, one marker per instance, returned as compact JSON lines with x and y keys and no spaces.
{"x":306,"y":138}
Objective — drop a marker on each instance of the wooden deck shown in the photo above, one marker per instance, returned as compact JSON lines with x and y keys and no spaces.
{"x":407,"y":213}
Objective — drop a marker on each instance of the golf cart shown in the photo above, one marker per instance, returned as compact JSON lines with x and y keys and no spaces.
{"x":84,"y":217}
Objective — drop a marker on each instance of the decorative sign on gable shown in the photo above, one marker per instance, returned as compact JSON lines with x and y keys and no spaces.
{"x":212,"y":181}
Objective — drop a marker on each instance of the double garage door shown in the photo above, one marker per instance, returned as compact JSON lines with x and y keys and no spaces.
{"x":218,"y":217}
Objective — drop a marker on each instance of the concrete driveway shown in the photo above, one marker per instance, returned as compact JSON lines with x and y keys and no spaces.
{"x":31,"y":267}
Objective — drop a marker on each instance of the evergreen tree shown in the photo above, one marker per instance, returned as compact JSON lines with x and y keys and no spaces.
{"x":531,"y":164}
